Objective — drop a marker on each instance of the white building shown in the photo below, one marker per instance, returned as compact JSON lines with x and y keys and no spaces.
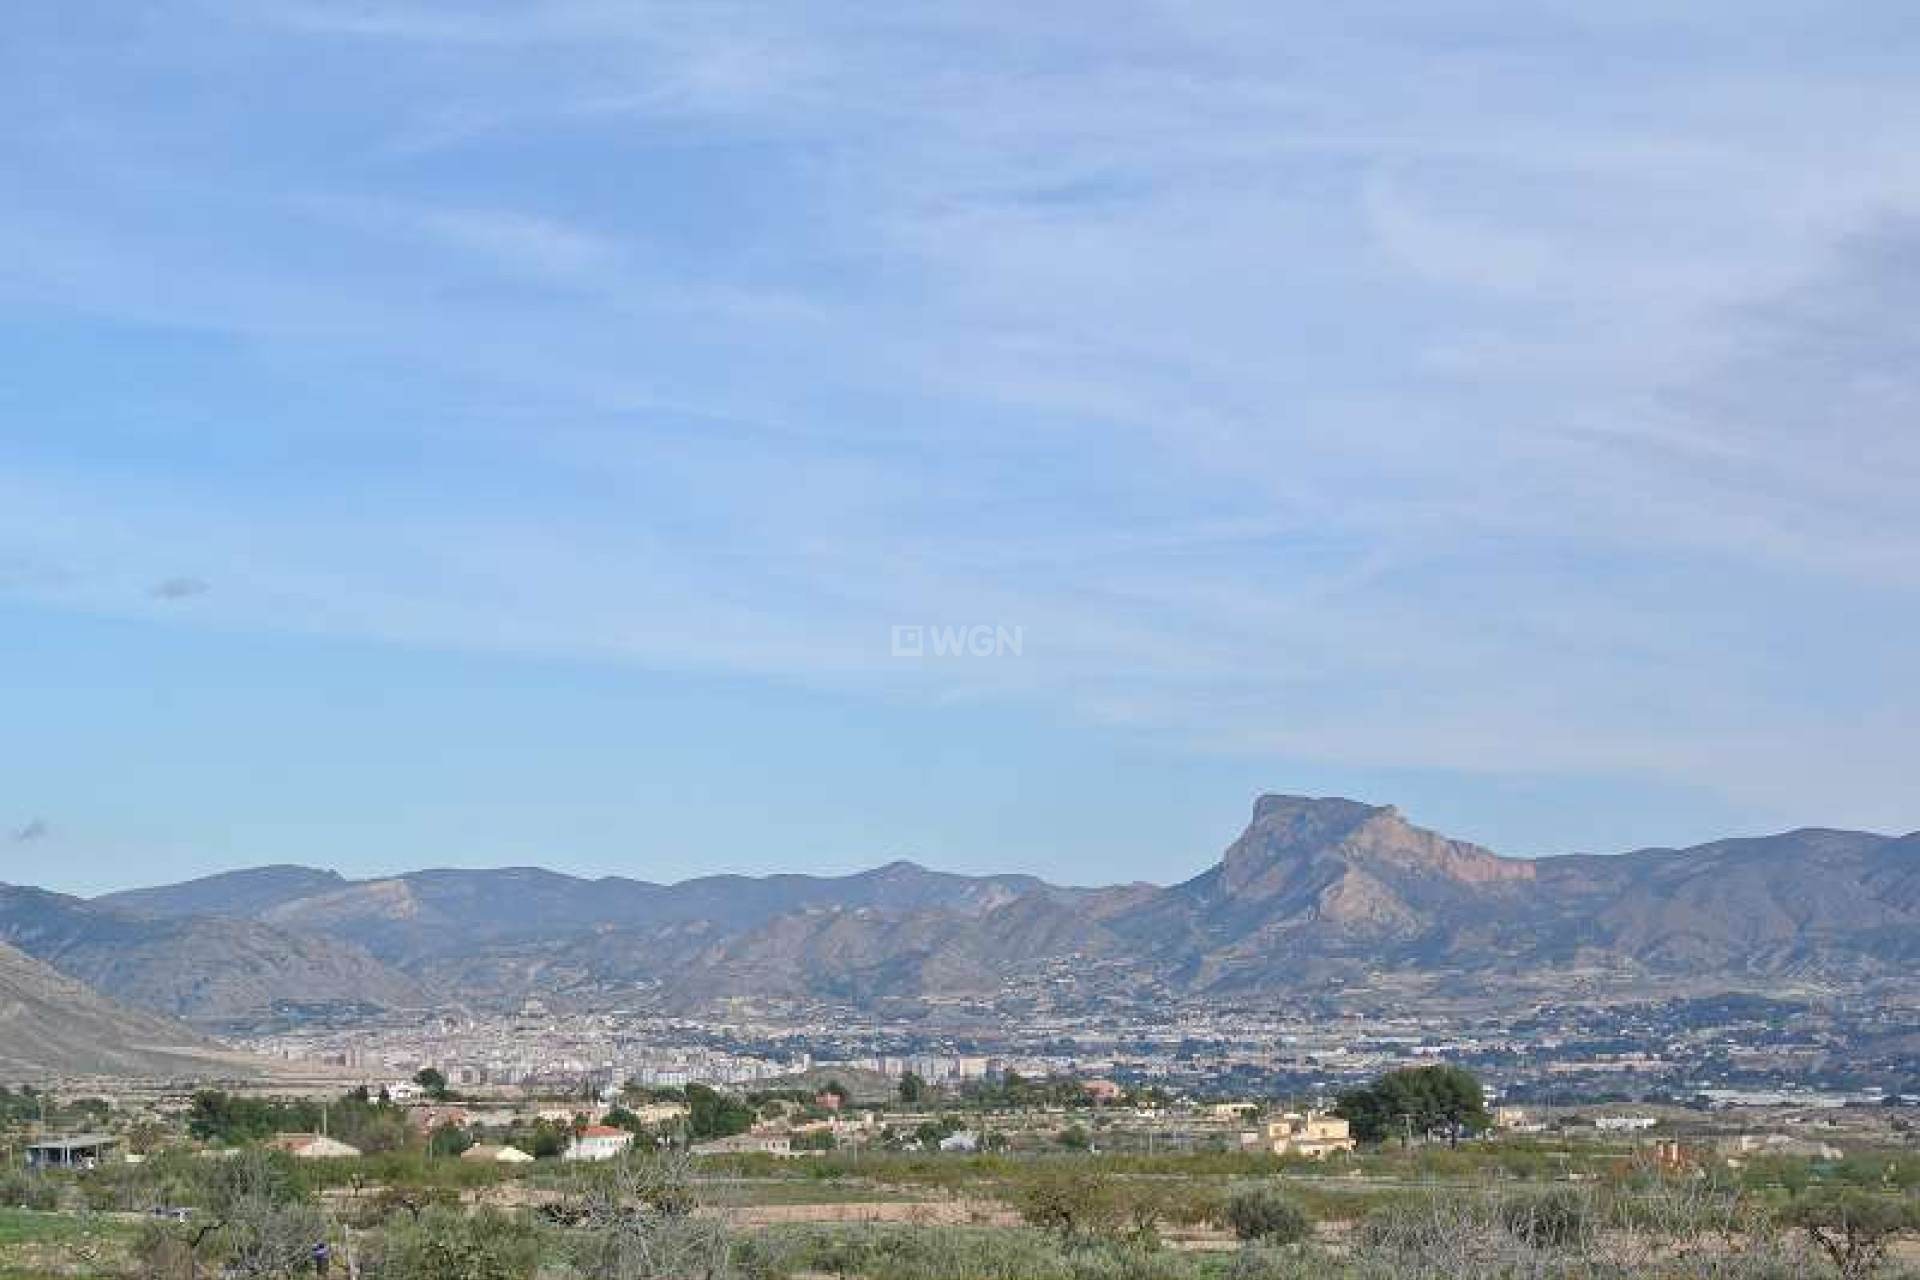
{"x":1624,"y":1124}
{"x":598,"y":1142}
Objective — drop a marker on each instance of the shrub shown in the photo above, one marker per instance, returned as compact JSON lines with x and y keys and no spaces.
{"x":166,"y":1251}
{"x":1261,"y":1213}
{"x":1066,"y":1199}
{"x":446,"y":1244}
{"x":1557,"y":1218}
{"x":1191,"y":1203}
{"x":1264,"y":1262}
{"x":930,"y":1253}
{"x":1855,"y":1229}
{"x":1120,"y":1262}
{"x":22,"y":1190}
{"x":1455,"y":1232}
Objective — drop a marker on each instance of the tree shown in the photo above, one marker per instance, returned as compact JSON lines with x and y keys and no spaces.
{"x":433,"y":1081}
{"x":214,"y":1116}
{"x":1855,"y":1229}
{"x":544,"y":1141}
{"x":1416,"y":1100}
{"x":912,"y":1089}
{"x":712,"y":1114}
{"x":373,"y":1127}
{"x":931,"y":1133}
{"x":267,"y":1227}
{"x":1069,"y":1200}
{"x":448,"y":1140}
{"x":442,"y":1243}
{"x":1261,"y":1213}
{"x":635,"y":1221}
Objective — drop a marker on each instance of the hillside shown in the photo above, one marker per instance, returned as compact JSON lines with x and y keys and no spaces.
{"x":240,"y":894}
{"x":51,"y":1025}
{"x":452,"y":911}
{"x":196,"y":967}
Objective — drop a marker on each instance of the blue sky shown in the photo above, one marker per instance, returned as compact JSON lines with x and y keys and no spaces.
{"x":496,"y":433}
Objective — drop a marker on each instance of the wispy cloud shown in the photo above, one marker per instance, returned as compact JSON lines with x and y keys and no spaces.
{"x":537,"y":246}
{"x":179,"y":589}
{"x":1294,"y":397}
{"x":37,"y":829}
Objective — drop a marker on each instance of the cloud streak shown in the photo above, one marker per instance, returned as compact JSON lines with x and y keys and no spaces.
{"x":178,"y":589}
{"x":1373,"y":390}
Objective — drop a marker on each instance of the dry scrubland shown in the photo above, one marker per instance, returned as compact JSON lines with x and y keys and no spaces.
{"x":1481,"y":1213}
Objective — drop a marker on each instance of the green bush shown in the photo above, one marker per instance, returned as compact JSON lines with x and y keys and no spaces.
{"x":1262,"y":1213}
{"x":22,"y":1190}
{"x":1120,"y":1262}
{"x":970,"y":1253}
{"x":928,"y":1253}
{"x":445,"y":1244}
{"x":1264,"y":1262}
{"x":1067,"y":1199}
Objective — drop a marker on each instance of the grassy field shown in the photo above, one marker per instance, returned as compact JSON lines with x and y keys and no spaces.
{"x":46,"y":1246}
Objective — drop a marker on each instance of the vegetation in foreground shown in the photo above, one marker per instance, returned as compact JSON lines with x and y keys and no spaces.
{"x":258,"y":1214}
{"x":1423,"y":1203}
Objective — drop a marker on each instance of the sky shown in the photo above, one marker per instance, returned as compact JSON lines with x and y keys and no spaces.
{"x":502,"y":433}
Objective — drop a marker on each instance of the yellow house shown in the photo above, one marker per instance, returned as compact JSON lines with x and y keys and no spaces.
{"x":1310,"y":1133}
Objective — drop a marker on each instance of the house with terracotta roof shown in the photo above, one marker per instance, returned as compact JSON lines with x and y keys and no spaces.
{"x":312,"y":1146}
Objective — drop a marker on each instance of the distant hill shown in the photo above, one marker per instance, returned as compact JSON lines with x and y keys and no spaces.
{"x":423,"y":912}
{"x":1314,"y":891}
{"x":239,"y":894}
{"x":196,"y":967}
{"x":51,"y":1025}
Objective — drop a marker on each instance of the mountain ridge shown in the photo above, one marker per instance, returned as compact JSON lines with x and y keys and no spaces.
{"x":1314,"y":889}
{"x":195,"y":967}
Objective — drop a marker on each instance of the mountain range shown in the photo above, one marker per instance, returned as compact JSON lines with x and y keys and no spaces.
{"x":1313,"y":893}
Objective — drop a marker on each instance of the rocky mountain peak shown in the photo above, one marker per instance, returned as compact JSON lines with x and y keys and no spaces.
{"x":1315,"y":815}
{"x":1290,"y":832}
